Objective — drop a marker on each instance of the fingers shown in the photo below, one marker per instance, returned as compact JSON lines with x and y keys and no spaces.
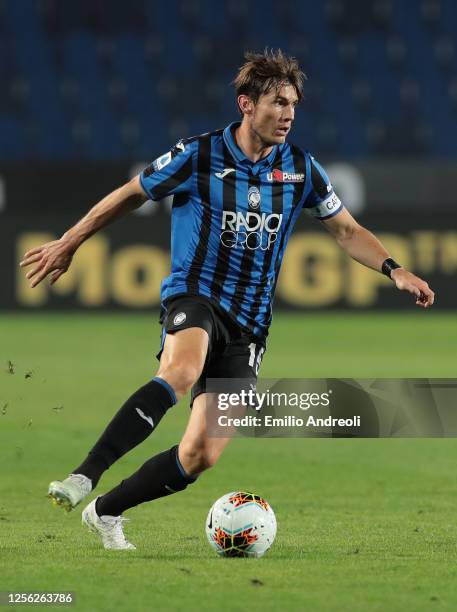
{"x":426,"y":298}
{"x":39,"y":272}
{"x":30,"y":259}
{"x":42,"y":274}
{"x":49,"y":257}
{"x":42,"y":271}
{"x":32,"y":256}
{"x":32,"y":273}
{"x":33,"y":251}
{"x":56,"y":275}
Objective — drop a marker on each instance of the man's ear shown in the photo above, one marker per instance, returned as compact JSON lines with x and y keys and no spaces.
{"x":245,"y":104}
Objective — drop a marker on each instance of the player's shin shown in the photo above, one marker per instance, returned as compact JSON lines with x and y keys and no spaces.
{"x":134,"y":422}
{"x":160,"y":476}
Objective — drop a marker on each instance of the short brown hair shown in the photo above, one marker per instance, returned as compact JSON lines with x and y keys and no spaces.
{"x":264,"y":71}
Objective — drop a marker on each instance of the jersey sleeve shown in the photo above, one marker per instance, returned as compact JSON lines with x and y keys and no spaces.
{"x":321,"y":202}
{"x":170,"y":173}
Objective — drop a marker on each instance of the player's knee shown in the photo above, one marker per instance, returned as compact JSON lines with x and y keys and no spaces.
{"x":181,"y":376}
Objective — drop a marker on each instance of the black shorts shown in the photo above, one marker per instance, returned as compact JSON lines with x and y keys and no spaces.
{"x":232,"y":352}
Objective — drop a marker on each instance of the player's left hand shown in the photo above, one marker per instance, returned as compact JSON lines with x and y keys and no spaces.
{"x":406,"y":281}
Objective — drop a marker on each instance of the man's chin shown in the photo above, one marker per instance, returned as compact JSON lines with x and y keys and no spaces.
{"x":276,"y":139}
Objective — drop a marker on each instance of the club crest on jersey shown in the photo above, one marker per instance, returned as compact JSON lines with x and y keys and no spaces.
{"x":254,"y":197}
{"x":278,"y":176}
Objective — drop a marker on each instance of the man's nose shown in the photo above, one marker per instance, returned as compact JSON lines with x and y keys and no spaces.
{"x":289,"y":113}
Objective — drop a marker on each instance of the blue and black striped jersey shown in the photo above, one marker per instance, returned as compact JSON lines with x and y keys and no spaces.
{"x":231,"y":219}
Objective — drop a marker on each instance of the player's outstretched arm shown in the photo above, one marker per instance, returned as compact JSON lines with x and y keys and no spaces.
{"x":55,"y":257}
{"x":364,"y":247}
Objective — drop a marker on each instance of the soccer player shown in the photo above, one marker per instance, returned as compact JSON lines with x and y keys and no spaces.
{"x":237,"y":194}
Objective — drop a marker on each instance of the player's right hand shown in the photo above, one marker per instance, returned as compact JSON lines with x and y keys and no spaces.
{"x":406,"y":281}
{"x":52,"y":258}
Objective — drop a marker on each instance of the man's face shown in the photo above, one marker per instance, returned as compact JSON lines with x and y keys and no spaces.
{"x":271,"y":118}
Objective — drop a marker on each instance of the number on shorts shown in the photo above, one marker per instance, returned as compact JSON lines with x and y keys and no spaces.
{"x":253,"y":362}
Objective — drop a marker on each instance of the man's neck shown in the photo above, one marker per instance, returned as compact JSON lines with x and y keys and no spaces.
{"x":250,"y":143}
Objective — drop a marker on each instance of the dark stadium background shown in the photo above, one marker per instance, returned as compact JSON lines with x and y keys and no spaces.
{"x":91,"y":92}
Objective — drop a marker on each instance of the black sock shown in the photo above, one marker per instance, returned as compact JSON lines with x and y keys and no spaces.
{"x":160,"y":476}
{"x":134,"y":422}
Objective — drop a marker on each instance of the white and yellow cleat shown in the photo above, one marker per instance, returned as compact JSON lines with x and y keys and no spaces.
{"x":109,"y":528}
{"x":69,"y":492}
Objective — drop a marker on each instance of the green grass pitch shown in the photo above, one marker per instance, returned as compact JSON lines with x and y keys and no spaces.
{"x":362,"y":524}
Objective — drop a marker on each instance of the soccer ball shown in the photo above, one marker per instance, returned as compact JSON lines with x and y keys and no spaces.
{"x":241,"y":524}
